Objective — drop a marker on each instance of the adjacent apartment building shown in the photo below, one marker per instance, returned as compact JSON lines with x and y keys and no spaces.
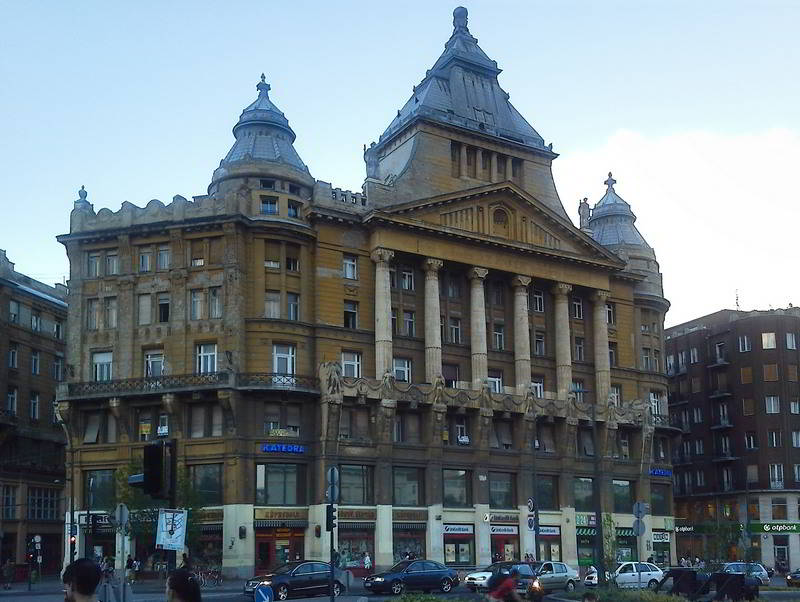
{"x":734,"y":393}
{"x":33,"y":316}
{"x":446,"y":337}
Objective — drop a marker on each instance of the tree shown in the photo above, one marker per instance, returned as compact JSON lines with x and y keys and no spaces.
{"x":609,"y":541}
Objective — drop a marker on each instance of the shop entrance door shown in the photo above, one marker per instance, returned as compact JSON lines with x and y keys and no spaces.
{"x":781,"y":556}
{"x":275,"y":551}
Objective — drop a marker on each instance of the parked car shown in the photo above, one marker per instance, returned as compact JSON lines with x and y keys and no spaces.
{"x":552,"y":575}
{"x":300,"y":578}
{"x":637,"y":574}
{"x":425,"y":575}
{"x":479,"y":580}
{"x":750,"y":569}
{"x":793,"y":578}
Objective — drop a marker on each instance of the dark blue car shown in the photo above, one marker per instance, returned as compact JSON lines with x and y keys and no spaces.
{"x":425,"y":575}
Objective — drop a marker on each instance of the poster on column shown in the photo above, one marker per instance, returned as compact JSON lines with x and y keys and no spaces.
{"x":171,"y":530}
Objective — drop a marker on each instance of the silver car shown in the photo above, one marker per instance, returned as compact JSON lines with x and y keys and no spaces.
{"x":557,"y":575}
{"x":750,"y":569}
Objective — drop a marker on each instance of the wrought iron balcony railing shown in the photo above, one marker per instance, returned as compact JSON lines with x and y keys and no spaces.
{"x":8,"y":417}
{"x":274,"y":380}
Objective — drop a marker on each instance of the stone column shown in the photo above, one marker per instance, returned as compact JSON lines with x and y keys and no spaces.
{"x":602,"y":365}
{"x":522,"y":336}
{"x":433,"y":332}
{"x":462,"y":160}
{"x":563,"y":345}
{"x":479,"y":163}
{"x":477,"y":326}
{"x":493,"y":168}
{"x":383,"y":312}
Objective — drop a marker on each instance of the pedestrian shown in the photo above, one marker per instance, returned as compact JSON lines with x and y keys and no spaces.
{"x":8,"y":573}
{"x":650,"y":559}
{"x":183,"y":587}
{"x":367,"y":562}
{"x":129,"y":569}
{"x":186,"y":563}
{"x":81,"y":579}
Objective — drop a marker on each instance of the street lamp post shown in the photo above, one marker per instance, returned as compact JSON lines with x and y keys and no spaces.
{"x":598,"y":507}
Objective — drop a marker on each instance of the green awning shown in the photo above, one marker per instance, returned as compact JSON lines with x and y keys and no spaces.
{"x":625,"y":532}
{"x":589,"y":531}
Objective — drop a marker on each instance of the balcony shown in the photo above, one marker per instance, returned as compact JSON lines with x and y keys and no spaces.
{"x":774,"y":484}
{"x":719,"y":360}
{"x":157,"y":385}
{"x":680,"y":459}
{"x":7,"y":417}
{"x":724,"y":456}
{"x":666,"y":421}
{"x":719,"y":393}
{"x":721,"y":424}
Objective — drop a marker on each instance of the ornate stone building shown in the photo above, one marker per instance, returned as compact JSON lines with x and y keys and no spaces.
{"x":445,"y":337}
{"x":32,"y":320}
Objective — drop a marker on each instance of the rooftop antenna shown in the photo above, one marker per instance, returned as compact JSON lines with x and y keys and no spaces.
{"x":737,"y":300}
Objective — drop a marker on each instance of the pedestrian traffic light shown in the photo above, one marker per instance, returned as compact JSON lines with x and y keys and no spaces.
{"x":330,"y":517}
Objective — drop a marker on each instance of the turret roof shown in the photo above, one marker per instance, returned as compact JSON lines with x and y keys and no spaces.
{"x":612,"y":220}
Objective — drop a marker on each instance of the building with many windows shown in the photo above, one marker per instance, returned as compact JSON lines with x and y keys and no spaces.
{"x":33,"y":316}
{"x":446,"y":337}
{"x":734,"y":393}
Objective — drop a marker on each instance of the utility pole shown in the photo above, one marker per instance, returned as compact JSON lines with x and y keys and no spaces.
{"x":599,"y":543}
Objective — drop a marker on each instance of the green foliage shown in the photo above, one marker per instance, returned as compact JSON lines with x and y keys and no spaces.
{"x":609,"y":542}
{"x":622,"y":595}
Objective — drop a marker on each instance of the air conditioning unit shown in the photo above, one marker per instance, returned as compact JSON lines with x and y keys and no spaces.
{"x":463,"y":439}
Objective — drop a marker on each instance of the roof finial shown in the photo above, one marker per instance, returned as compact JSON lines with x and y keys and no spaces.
{"x":263,"y":87}
{"x":610,"y":182}
{"x":82,"y":193}
{"x":460,"y":20}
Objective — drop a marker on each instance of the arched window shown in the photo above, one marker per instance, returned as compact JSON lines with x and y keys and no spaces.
{"x":500,"y":223}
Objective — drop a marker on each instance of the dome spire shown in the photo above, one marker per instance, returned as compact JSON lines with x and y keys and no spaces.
{"x":610,"y":182}
{"x":263,"y":87}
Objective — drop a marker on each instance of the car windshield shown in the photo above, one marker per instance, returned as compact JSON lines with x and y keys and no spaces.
{"x":400,"y":566}
{"x":285,"y":568}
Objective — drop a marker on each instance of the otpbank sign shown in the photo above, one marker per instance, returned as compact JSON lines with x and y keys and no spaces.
{"x":775,"y":528}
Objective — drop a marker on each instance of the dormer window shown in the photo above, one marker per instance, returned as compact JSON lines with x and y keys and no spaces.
{"x":294,"y":189}
{"x":267,"y":184}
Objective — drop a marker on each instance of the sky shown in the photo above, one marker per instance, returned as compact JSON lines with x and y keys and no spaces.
{"x":694,"y":107}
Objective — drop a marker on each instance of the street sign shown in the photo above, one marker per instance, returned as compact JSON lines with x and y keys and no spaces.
{"x":171,"y":529}
{"x":73,"y":529}
{"x":121,"y":515}
{"x":638,"y":527}
{"x":531,"y":505}
{"x":38,"y":546}
{"x":263,"y":593}
{"x":531,"y":523}
{"x":641,"y":509}
{"x":332,"y":494}
{"x":37,"y":538}
{"x":486,"y":517}
{"x":333,"y":476}
{"x":39,"y":559}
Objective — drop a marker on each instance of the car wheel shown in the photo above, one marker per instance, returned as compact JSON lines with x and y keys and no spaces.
{"x":397,"y":587}
{"x":282,"y":593}
{"x":570,"y":587}
{"x":446,"y":585}
{"x":653,"y":584}
{"x":337,"y":588}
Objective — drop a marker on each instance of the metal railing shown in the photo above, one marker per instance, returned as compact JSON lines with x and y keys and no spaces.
{"x":275,"y":380}
{"x":151,"y":384}
{"x":8,"y":416}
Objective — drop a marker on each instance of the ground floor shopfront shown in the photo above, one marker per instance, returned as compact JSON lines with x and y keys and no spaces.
{"x":244,"y":539}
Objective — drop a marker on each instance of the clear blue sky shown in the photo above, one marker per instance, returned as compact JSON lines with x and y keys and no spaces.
{"x":137,"y":100}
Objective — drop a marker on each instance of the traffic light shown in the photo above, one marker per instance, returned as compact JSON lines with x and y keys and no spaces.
{"x":31,"y":551}
{"x":72,"y":540}
{"x":157,"y":470}
{"x":330,"y":517}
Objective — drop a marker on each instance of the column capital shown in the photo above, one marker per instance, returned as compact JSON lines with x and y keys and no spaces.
{"x":381,"y":255}
{"x":600,"y":296}
{"x":476,"y":273}
{"x":520,"y":281}
{"x":432,"y":265}
{"x":561,"y":288}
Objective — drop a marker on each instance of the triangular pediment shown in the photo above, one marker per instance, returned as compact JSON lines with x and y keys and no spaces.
{"x":503,"y":212}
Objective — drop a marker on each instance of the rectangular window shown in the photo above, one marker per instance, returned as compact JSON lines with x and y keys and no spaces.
{"x":538,"y":343}
{"x":163,"y":308}
{"x":144,"y":304}
{"x":34,"y":406}
{"x":393,"y":319}
{"x":499,"y":336}
{"x":272,"y":304}
{"x":112,"y":264}
{"x":351,"y":364}
{"x":206,"y":483}
{"x":585,"y":442}
{"x":11,"y":401}
{"x":110,"y":312}
{"x":623,"y":495}
{"x":197,"y":304}
{"x":746,"y":375}
{"x":92,"y":313}
{"x":93,"y":265}
{"x":43,"y":503}
{"x":611,"y":314}
{"x":457,"y":488}
{"x":795,"y":438}
{"x":215,"y":302}
{"x":58,"y":329}
{"x":773,"y":404}
{"x":356,"y":485}
{"x":450,"y":373}
{"x":698,"y":447}
{"x":162,"y":258}
{"x":537,"y":386}
{"x":495,"y":381}
{"x":205,"y":358}
{"x":577,"y":308}
{"x":9,"y":501}
{"x":794,"y":407}
{"x":280,"y":485}
{"x":402,"y":369}
{"x":58,"y":369}
{"x":145,"y":256}
{"x":501,"y":436}
{"x":774,"y":439}
{"x":408,"y":486}
{"x":153,"y":364}
{"x":660,"y":497}
{"x":273,"y":264}
{"x":409,"y":323}
{"x":99,"y":490}
{"x":698,"y":415}
{"x":770,"y":372}
{"x":354,"y":423}
{"x":744,"y":344}
{"x":748,"y":407}
{"x":501,"y":490}
{"x":350,"y":267}
{"x":791,"y":341}
{"x":580,"y":344}
{"x":34,"y":362}
{"x":407,"y":280}
{"x":547,"y":492}
{"x":292,"y":264}
{"x":406,"y":428}
{"x":269,"y":205}
{"x":454,"y":326}
{"x":13,"y":311}
{"x":292,"y":306}
{"x":267,"y":184}
{"x":351,"y":314}
{"x":779,"y":508}
{"x":583,"y":491}
{"x":768,"y":340}
{"x":700,"y":478}
{"x":293,"y":209}
{"x":537,"y":300}
{"x":776,"y":476}
{"x":102,"y":365}
{"x":283,"y":359}
{"x":612,"y":354}
{"x":578,"y":390}
{"x":647,"y":359}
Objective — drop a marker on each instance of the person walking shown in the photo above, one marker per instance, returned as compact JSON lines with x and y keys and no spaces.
{"x":129,"y":569}
{"x":182,"y":586}
{"x":367,"y":562}
{"x":81,"y":579}
{"x":137,"y":566}
{"x":186,"y":563}
{"x":8,"y":573}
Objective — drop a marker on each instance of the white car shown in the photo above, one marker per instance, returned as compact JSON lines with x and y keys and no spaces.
{"x":637,"y":574}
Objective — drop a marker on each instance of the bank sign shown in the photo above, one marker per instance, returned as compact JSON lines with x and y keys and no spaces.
{"x":504,"y":530}
{"x":461,"y":529}
{"x":775,"y":528}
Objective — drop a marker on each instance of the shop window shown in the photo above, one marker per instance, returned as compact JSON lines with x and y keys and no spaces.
{"x":356,"y":485}
{"x":280,"y":485}
{"x":206,"y":482}
{"x":501,"y":490}
{"x":457,"y":485}
{"x":547,"y":492}
{"x":408,"y":486}
{"x":583,"y":491}
{"x":99,"y":490}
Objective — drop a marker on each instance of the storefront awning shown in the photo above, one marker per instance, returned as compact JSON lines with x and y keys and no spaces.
{"x":355,"y":526}
{"x":590,"y":531}
{"x":625,"y":532}
{"x":409,"y":526}
{"x":211,"y":528}
{"x":298,"y":524}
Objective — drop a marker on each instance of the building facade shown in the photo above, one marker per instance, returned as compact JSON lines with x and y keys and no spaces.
{"x":446,"y":337}
{"x":734,"y":392}
{"x":32,"y":467}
